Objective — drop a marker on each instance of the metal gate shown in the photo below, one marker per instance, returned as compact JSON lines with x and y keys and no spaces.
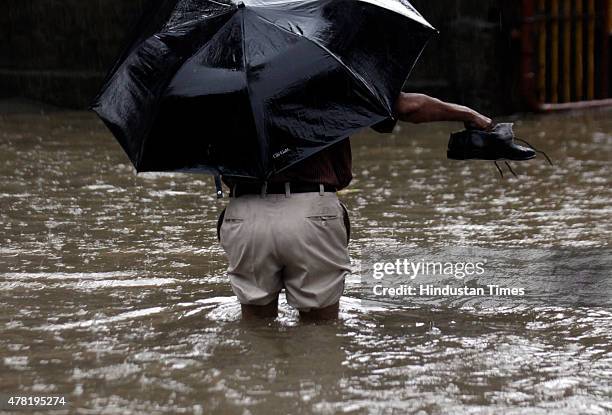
{"x":566,"y":53}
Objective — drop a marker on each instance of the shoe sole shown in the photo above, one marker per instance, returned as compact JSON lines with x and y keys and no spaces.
{"x":472,"y":156}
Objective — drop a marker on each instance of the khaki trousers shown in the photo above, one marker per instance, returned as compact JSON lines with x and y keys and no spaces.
{"x":297,"y":242}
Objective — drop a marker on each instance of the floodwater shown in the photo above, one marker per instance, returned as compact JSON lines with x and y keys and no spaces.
{"x":113,"y":291}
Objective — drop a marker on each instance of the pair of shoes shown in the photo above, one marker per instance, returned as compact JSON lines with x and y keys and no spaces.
{"x":496,"y":144}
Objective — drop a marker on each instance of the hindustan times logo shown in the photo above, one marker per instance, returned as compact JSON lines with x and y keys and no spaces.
{"x":412,"y":269}
{"x":426,"y":290}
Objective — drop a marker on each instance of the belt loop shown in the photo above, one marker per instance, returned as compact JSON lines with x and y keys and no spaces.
{"x":264,"y":189}
{"x":321,"y":189}
{"x":287,"y":189}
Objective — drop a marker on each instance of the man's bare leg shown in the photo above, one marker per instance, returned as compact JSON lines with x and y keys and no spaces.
{"x":253,"y":312}
{"x":321,"y":314}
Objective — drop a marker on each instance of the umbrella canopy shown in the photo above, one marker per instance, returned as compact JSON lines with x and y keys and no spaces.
{"x":249,"y":89}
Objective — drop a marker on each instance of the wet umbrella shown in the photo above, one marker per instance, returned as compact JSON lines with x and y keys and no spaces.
{"x":249,"y":89}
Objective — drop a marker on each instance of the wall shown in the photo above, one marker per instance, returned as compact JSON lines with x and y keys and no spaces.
{"x":58,"y":51}
{"x":475,"y":59}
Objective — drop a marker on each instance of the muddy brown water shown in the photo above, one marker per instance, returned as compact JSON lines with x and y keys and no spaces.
{"x":113,"y":290}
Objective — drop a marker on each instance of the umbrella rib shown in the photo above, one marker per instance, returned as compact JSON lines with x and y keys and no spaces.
{"x":353,"y":74}
{"x":220,"y":4}
{"x":260,"y":134}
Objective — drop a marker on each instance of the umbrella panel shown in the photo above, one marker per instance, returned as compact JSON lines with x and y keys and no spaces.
{"x":302,"y":99}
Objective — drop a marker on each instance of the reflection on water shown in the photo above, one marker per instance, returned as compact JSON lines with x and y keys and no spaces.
{"x":112,"y":286}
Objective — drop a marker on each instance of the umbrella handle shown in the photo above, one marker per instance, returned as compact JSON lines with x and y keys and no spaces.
{"x":218,"y":186}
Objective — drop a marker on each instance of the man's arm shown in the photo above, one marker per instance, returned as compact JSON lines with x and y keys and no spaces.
{"x":419,"y":108}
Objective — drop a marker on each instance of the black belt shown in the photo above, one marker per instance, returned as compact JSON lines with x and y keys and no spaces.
{"x":241,"y":189}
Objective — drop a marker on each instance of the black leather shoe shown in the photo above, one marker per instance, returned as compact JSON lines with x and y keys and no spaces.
{"x":495,"y":144}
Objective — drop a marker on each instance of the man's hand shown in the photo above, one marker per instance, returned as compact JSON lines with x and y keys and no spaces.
{"x":479,"y":122}
{"x":419,"y":108}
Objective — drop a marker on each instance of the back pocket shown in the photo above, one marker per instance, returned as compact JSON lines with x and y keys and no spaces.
{"x":223,"y":220}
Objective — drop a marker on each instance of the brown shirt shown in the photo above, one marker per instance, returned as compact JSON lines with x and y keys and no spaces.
{"x":332,"y":166}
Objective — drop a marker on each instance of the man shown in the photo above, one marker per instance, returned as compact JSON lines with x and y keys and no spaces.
{"x":291,"y":233}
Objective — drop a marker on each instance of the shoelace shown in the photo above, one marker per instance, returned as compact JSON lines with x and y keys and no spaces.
{"x":508,"y":164}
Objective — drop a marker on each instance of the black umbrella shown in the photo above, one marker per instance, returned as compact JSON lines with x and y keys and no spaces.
{"x":249,"y":89}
